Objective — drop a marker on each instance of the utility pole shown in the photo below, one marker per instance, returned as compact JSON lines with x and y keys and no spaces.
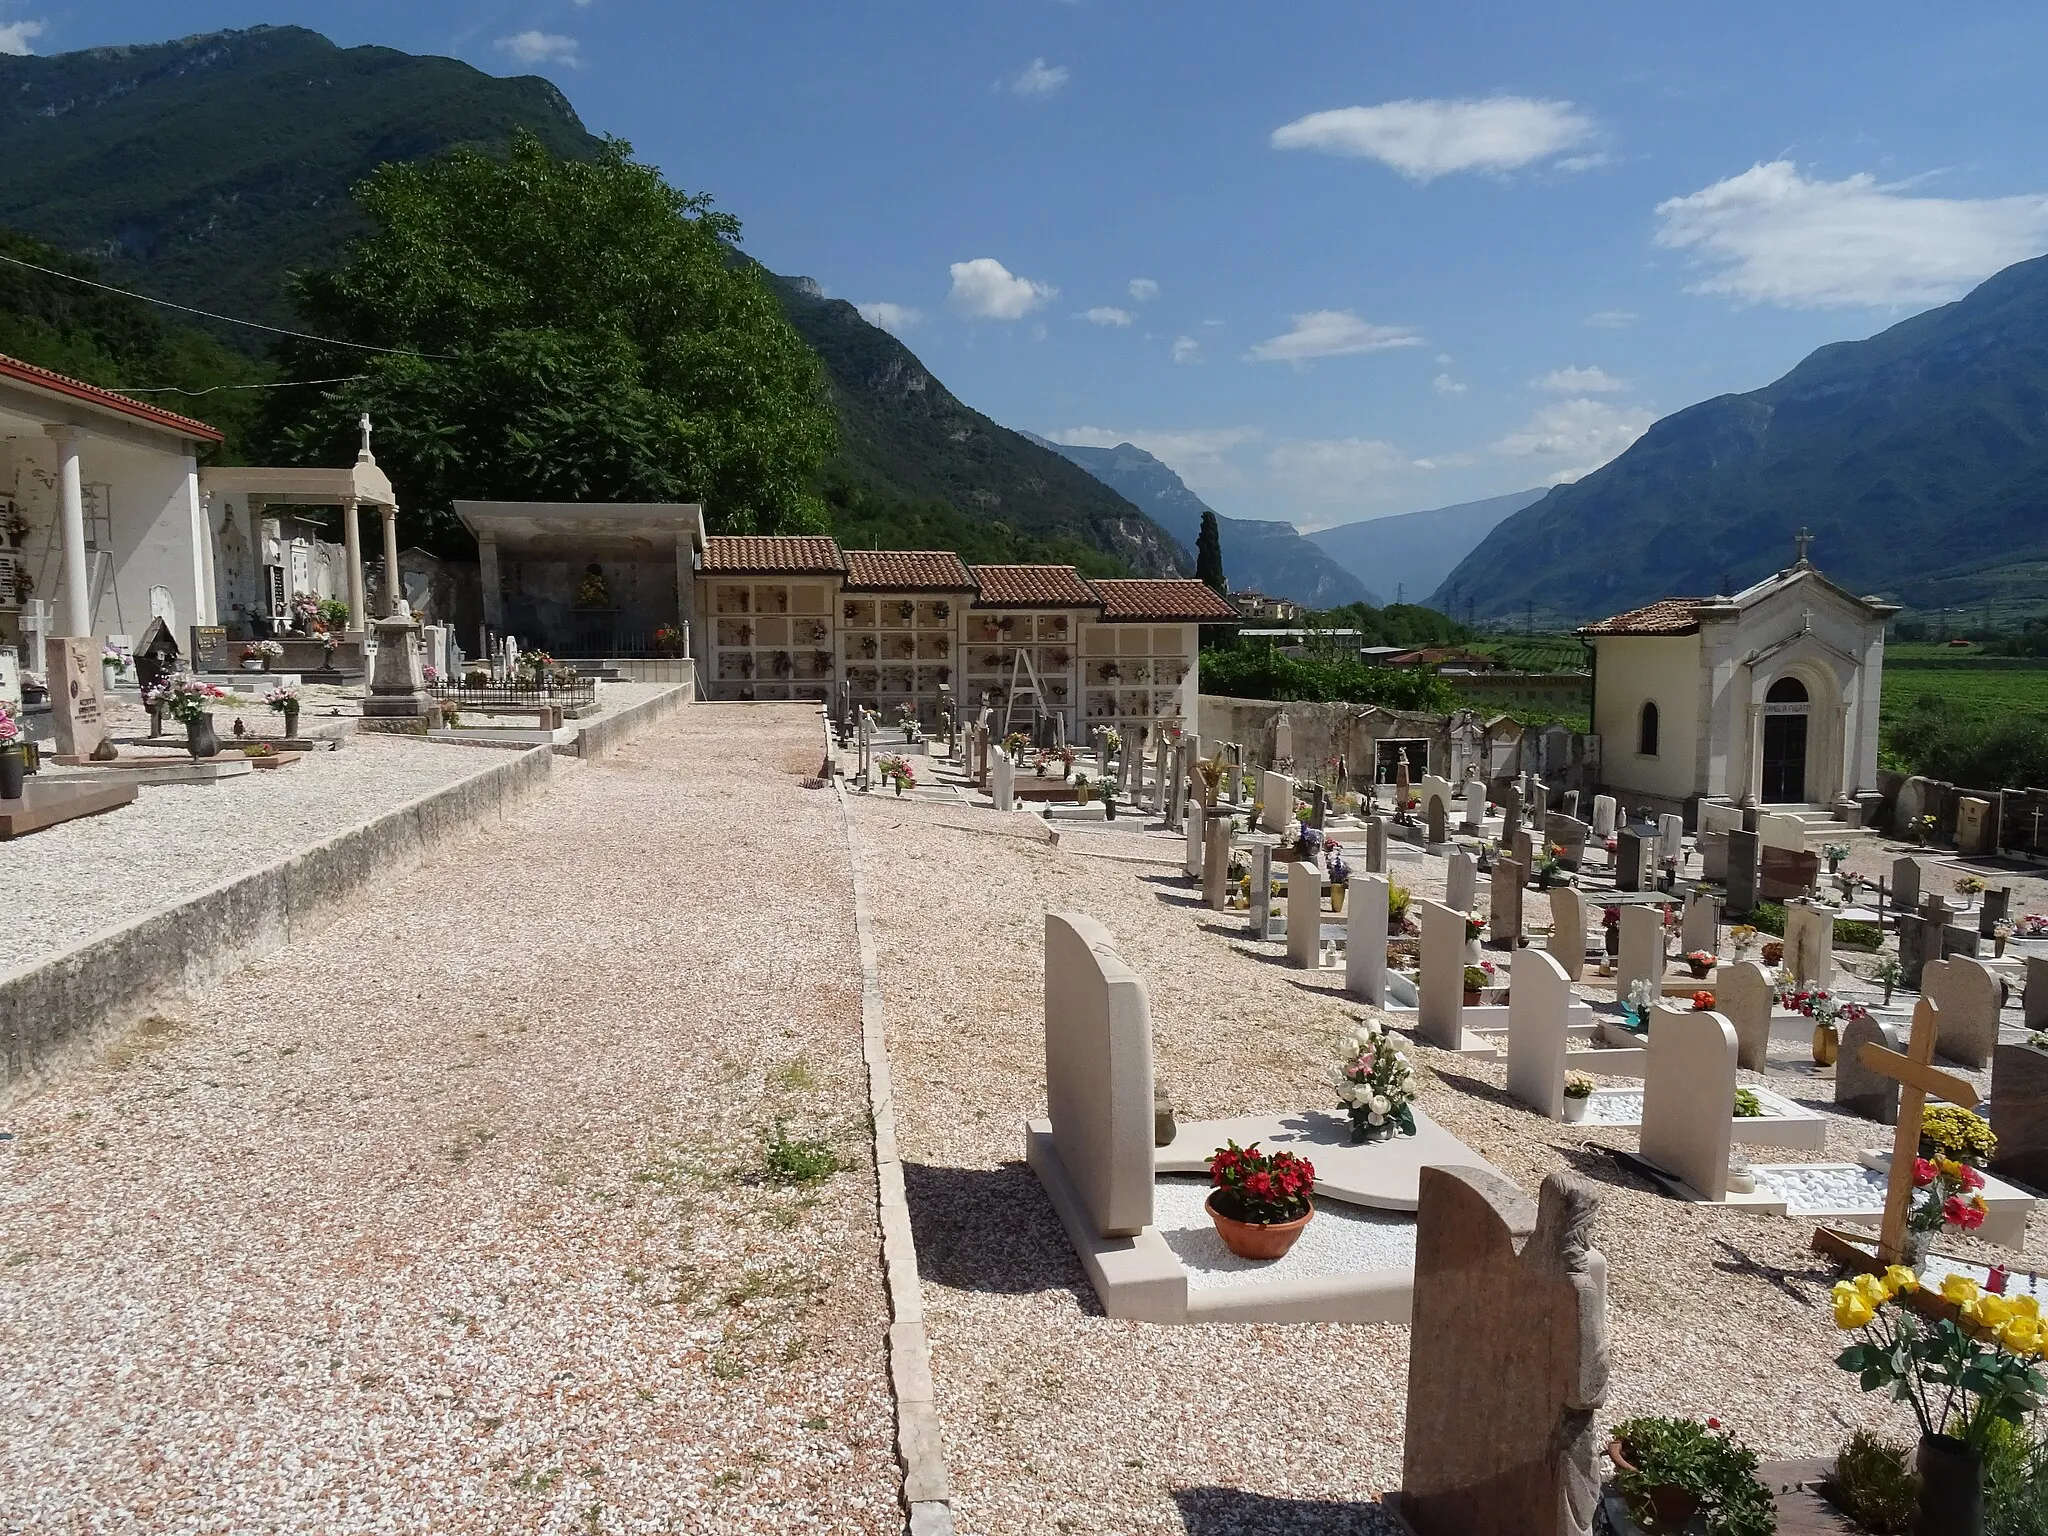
{"x":1400,"y":593}
{"x":1529,"y":620}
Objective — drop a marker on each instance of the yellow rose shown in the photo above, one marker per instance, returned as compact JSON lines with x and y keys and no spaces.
{"x":2026,"y":1305}
{"x":1959,"y":1289}
{"x":1872,"y":1289}
{"x":1991,"y":1311}
{"x":2021,"y":1335}
{"x":1899,"y":1278}
{"x":1852,"y":1310}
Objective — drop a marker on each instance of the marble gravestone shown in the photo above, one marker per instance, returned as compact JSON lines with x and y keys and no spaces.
{"x":1192,"y":819}
{"x":72,"y":670}
{"x":1906,"y":884}
{"x":1603,"y":816}
{"x":1744,"y":996}
{"x":1504,"y":921}
{"x":1785,"y":874}
{"x":1567,"y":943}
{"x":1475,"y":804}
{"x":1974,"y":826}
{"x":1523,"y":851}
{"x":1642,"y":949}
{"x":1440,"y":1005}
{"x":1569,"y":834}
{"x":2019,"y":1112}
{"x":1510,"y":815}
{"x":1919,"y":944}
{"x":1461,"y":881}
{"x":1860,"y":1091}
{"x":1688,"y":1098}
{"x":1700,"y":928}
{"x":1996,"y":903}
{"x":1304,"y":915}
{"x":1376,"y":844}
{"x":1671,"y":841}
{"x":1276,"y":801}
{"x":1810,"y":943}
{"x":1098,"y":1072}
{"x":1005,"y":776}
{"x":1365,"y":939}
{"x":2034,"y":1000}
{"x":1216,"y":845}
{"x":1966,"y":991}
{"x":1630,"y":858}
{"x":1508,"y":1332}
{"x":1744,"y":853}
{"x":1437,"y":822}
{"x":1571,"y":804}
{"x":1713,"y":847}
{"x":1539,"y":1003}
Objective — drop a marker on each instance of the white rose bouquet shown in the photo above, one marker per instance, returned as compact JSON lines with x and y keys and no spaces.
{"x":1375,"y":1083}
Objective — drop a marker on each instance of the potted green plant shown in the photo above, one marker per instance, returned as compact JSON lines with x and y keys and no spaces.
{"x":1477,"y":979}
{"x":1949,"y":1130}
{"x":1672,"y":1471}
{"x":1261,"y":1200}
{"x":1397,"y":907}
{"x":1962,"y":1376}
{"x":1578,"y":1095}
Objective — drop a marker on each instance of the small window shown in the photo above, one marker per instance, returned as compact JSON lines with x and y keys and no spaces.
{"x":1786,"y":690}
{"x":1646,"y":732}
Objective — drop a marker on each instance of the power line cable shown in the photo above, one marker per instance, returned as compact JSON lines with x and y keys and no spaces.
{"x":173,"y":389}
{"x":275,"y":330}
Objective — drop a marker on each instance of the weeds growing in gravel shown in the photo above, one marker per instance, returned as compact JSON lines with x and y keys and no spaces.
{"x":799,"y":1162}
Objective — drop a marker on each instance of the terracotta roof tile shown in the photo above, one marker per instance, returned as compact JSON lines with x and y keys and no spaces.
{"x":1032,"y":586}
{"x":906,"y":570}
{"x":78,"y":389}
{"x":1166,"y":601}
{"x":1667,"y":616}
{"x":761,"y":555}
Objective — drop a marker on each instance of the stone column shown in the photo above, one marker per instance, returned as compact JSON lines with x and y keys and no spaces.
{"x":209,"y":574}
{"x":196,"y":520}
{"x":493,"y":584}
{"x":77,"y":614}
{"x":392,"y":592}
{"x":1753,"y":777}
{"x":352,"y":538}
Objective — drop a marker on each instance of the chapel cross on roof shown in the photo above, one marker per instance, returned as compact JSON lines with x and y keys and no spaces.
{"x":1800,"y":541}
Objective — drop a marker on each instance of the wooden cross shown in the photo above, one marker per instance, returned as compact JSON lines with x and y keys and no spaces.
{"x":1918,"y":1081}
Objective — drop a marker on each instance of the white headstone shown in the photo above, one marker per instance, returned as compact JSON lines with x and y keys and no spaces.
{"x":1098,"y":1072}
{"x":1192,"y":816}
{"x":1775,"y":830}
{"x":1004,"y":774}
{"x":1701,"y":927}
{"x":1671,"y":838}
{"x":1810,"y":943}
{"x":1539,"y":997}
{"x":1567,"y":942}
{"x":1642,"y":949}
{"x":1745,"y":997}
{"x":1715,"y":817}
{"x":1365,"y":938}
{"x":1216,"y":843}
{"x":1304,"y":915}
{"x":1276,"y":801}
{"x":1689,"y":1098}
{"x":1475,"y":804}
{"x":1440,"y":1008}
{"x":1603,"y":816}
{"x":1461,"y":881}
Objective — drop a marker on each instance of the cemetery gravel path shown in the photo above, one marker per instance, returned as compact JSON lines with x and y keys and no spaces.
{"x":458,"y":1216}
{"x":1059,"y":1419}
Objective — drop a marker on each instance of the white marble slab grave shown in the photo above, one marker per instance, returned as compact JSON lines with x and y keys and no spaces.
{"x":1782,"y":1123}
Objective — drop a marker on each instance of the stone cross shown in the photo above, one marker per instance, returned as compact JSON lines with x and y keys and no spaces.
{"x":1918,"y":1081}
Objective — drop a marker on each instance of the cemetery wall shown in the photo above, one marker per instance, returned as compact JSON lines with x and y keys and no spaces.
{"x":1324,"y":731}
{"x":601,"y":737}
{"x":117,"y":976}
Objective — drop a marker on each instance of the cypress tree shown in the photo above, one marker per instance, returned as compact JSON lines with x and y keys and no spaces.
{"x":1209,"y":555}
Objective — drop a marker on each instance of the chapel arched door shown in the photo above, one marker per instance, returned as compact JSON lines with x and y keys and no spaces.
{"x":1785,"y":719}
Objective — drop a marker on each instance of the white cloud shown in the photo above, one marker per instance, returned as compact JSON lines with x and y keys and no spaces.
{"x":1335,"y":468}
{"x":985,"y":289}
{"x":1144,"y":289}
{"x":1584,"y":433}
{"x":1187,"y":350}
{"x":1578,"y":381}
{"x":897,"y":318}
{"x":1444,"y":384}
{"x":1038,"y":79}
{"x":536,"y":47}
{"x":1426,"y":139}
{"x":15,"y":37}
{"x":1103,"y":314}
{"x":1773,"y":236}
{"x":1612,"y":319}
{"x":1331,"y":333}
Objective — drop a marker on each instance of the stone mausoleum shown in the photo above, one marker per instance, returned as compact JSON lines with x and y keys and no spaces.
{"x":1768,"y":697}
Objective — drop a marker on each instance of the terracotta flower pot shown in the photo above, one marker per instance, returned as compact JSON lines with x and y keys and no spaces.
{"x":1256,"y":1239}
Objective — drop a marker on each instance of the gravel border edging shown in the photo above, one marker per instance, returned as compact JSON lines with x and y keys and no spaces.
{"x":114,"y":976}
{"x":608,"y":735}
{"x":927,"y":1485}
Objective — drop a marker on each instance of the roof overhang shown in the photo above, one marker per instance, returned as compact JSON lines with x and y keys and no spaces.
{"x":38,"y":396}
{"x":363,"y":483}
{"x":576,"y":529}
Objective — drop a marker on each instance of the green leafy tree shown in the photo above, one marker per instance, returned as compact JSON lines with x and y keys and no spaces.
{"x":1209,"y":555}
{"x":568,"y":331}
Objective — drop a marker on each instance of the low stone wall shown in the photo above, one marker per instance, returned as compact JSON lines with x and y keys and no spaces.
{"x":614,"y":731}
{"x":654,"y":669}
{"x":115,"y":977}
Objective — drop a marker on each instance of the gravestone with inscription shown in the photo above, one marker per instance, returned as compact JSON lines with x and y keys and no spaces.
{"x":72,"y":668}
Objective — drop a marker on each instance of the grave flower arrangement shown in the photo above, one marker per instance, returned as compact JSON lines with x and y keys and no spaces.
{"x":906,"y":720}
{"x":1743,"y":937}
{"x":1308,"y":842}
{"x":1949,"y":1130}
{"x":1340,"y":872}
{"x":9,"y":729}
{"x":896,"y":770}
{"x":1702,"y":1002}
{"x":1375,"y":1084}
{"x":188,"y":699}
{"x":284,"y":699}
{"x":118,"y":657}
{"x":1642,"y":997}
{"x":1699,"y":962}
{"x":1016,"y":742}
{"x":1945,"y":1194}
{"x":668,"y":639}
{"x":1475,"y":925}
{"x":2033,"y":926}
{"x":1969,"y":1379}
{"x":1834,"y":853}
{"x":1112,"y":743}
{"x":1267,"y":1193}
{"x":1969,"y":885}
{"x":1477,"y":979}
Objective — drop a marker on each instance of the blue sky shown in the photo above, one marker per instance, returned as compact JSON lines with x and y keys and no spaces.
{"x":1330,"y":261}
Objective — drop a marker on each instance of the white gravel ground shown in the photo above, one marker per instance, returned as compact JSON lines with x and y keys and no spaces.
{"x":1342,"y":1240}
{"x":459,"y":1215}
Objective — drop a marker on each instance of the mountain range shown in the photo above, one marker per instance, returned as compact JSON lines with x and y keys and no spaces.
{"x":1410,"y":553}
{"x":1917,"y":457}
{"x":206,"y":169}
{"x":1267,"y":557}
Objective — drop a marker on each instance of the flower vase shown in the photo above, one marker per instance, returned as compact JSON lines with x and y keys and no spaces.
{"x":199,"y":738}
{"x":1256,"y":1239}
{"x":1916,"y":1246}
{"x":156,"y":720}
{"x":252,"y":666}
{"x":13,"y":765}
{"x":1575,"y":1107}
{"x":291,"y":722}
{"x":1472,"y":956}
{"x":1826,"y":1045}
{"x":1363,"y":1130}
{"x":1951,"y":1487}
{"x":1337,"y":897}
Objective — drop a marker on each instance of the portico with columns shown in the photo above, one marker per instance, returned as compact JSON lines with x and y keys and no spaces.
{"x":100,"y":508}
{"x":1766,"y":697}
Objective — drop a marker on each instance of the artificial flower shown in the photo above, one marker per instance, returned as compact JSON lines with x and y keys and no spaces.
{"x":2021,"y":1335}
{"x":1959,"y":1289}
{"x":1852,"y":1310}
{"x":1966,"y":1214}
{"x":1901,"y":1278}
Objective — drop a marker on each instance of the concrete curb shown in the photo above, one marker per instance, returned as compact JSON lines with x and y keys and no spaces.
{"x":927,"y":1485}
{"x":605,"y":736}
{"x":115,"y":977}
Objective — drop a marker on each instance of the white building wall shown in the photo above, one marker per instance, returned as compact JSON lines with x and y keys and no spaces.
{"x":1634,"y":669}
